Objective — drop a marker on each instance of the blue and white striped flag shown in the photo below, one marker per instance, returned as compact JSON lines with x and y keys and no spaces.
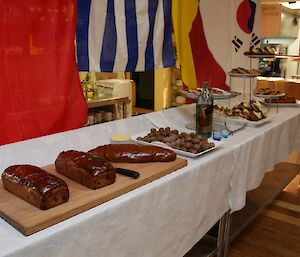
{"x":124,"y":35}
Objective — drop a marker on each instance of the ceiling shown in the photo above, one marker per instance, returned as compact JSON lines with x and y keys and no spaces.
{"x":274,"y":1}
{"x":293,"y":10}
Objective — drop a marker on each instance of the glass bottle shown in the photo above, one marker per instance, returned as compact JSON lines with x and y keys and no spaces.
{"x":204,"y":112}
{"x":83,"y":85}
{"x":89,"y":87}
{"x":90,"y":91}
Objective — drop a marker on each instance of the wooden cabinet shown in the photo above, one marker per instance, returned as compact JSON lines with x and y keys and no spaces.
{"x":277,"y":21}
{"x":271,"y":20}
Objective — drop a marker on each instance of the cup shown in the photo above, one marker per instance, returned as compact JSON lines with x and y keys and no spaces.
{"x":99,"y":116}
{"x":91,"y":119}
{"x":108,"y":116}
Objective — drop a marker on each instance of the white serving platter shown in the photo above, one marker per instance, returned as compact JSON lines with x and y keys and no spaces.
{"x":180,"y":152}
{"x":194,"y":95}
{"x":242,"y":75}
{"x":269,"y":96}
{"x":241,"y":121}
{"x":297,"y":104}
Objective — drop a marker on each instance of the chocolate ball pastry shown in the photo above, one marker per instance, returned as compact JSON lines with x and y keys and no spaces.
{"x":188,"y":142}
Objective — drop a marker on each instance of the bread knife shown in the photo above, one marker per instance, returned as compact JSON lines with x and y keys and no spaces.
{"x":128,"y":173}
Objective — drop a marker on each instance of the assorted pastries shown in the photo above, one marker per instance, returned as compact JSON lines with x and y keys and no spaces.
{"x":212,"y":91}
{"x":267,"y":50}
{"x":215,"y":91}
{"x":188,"y":142}
{"x":240,"y":70}
{"x":266,"y":91}
{"x":251,"y":110}
{"x":282,"y":100}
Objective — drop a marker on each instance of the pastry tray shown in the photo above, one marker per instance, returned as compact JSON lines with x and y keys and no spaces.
{"x":28,"y":219}
{"x":183,"y":153}
{"x":225,"y":95}
{"x":297,"y":104}
{"x":269,"y":96}
{"x":242,"y":75}
{"x":241,"y":121}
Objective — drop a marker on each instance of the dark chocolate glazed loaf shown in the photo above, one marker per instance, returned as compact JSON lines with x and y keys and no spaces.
{"x":86,"y":169}
{"x":35,"y":186}
{"x":134,"y":153}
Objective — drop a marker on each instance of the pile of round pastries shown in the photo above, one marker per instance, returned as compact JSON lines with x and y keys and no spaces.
{"x":188,"y":142}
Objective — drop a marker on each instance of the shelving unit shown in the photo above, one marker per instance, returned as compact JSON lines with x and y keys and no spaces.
{"x":95,"y":103}
{"x":116,"y":105}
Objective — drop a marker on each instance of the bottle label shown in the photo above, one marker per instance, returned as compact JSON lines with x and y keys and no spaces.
{"x":204,"y":117}
{"x":90,"y":94}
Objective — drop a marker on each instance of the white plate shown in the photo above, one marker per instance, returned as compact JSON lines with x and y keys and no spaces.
{"x":297,"y":104}
{"x":183,"y":153}
{"x":260,"y":55}
{"x":269,"y":96}
{"x":196,"y":93}
{"x":242,"y":75}
{"x":241,"y":121}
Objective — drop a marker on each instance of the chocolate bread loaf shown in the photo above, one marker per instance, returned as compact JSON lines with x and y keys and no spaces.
{"x":86,"y":169}
{"x":134,"y":153}
{"x":35,"y":186}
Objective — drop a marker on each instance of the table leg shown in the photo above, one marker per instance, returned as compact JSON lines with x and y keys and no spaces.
{"x":124,"y":110}
{"x":227,"y":235}
{"x":244,"y":92}
{"x":223,"y":233}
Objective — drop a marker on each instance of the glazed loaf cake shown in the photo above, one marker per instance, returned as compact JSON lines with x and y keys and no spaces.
{"x":134,"y":153}
{"x":88,"y":170}
{"x":36,"y":186}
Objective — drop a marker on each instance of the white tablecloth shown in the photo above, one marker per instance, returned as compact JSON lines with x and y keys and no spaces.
{"x":163,"y":218}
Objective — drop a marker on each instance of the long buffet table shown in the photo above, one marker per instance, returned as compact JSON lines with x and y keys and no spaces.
{"x":167,"y":216}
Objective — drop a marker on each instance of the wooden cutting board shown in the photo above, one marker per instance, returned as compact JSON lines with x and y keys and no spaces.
{"x":28,"y":219}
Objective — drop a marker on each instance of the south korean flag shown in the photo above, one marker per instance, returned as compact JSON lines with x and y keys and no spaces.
{"x":230,"y":30}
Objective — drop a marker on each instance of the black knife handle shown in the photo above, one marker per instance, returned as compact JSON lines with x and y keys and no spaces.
{"x":128,"y":173}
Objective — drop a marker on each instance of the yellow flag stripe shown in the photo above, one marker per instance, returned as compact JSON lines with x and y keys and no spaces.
{"x":184,"y":13}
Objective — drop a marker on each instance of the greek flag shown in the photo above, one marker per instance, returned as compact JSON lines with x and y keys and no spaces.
{"x":124,"y":35}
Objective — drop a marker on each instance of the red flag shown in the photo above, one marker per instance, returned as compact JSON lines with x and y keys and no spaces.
{"x":40,"y":91}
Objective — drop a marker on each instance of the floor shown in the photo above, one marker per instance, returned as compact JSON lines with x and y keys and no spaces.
{"x":276,"y":231}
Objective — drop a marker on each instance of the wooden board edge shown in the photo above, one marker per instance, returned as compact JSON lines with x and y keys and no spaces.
{"x":14,"y":224}
{"x":27,"y":231}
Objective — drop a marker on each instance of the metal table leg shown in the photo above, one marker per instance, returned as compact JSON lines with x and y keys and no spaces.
{"x":227,"y":235}
{"x":223,"y":235}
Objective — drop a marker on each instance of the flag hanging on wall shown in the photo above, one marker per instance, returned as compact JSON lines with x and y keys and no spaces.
{"x":40,"y":91}
{"x":212,"y":36}
{"x":230,"y":32}
{"x":118,"y":35}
